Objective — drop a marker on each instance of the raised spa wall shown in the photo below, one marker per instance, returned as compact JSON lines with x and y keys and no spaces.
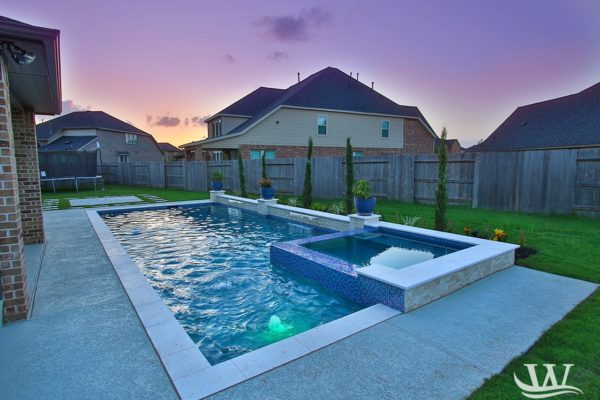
{"x":405,"y":289}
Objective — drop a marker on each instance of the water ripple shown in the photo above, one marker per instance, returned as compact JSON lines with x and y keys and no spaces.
{"x":211,"y":266}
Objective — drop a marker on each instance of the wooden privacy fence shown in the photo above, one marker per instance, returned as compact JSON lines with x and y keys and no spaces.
{"x":547,"y":181}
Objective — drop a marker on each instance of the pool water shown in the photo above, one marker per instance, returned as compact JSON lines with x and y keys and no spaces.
{"x":371,"y":248}
{"x":210,"y":265}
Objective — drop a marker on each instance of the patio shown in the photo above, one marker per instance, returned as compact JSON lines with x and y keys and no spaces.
{"x":85,"y":340}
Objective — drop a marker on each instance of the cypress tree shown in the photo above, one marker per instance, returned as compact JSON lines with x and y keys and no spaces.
{"x":441,"y":195}
{"x":349,"y":177}
{"x":241,"y":173}
{"x":307,"y":195}
{"x":263,"y":163}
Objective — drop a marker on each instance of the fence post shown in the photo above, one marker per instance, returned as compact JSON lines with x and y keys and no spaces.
{"x":475,"y":188}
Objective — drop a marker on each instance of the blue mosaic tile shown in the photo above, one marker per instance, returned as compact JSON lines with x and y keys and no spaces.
{"x":334,"y":274}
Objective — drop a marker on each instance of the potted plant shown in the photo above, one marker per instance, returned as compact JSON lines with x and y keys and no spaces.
{"x":364,"y":203}
{"x":266,"y":188}
{"x":217,"y":180}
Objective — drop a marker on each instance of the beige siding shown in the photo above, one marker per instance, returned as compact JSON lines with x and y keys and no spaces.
{"x":230,"y":123}
{"x":295,"y":126}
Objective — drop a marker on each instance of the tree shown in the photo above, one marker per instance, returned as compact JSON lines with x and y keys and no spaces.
{"x":307,"y":195}
{"x":349,"y":177}
{"x":263,"y":163}
{"x":441,"y":195}
{"x":241,"y":173}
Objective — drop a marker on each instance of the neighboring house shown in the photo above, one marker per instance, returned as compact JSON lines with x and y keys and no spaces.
{"x":563,"y":123}
{"x":117,"y":140}
{"x":330,"y":106}
{"x":452,"y":146}
{"x":29,"y":84}
{"x":172,"y":153}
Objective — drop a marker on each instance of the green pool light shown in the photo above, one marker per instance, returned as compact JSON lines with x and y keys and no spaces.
{"x":276,"y":326}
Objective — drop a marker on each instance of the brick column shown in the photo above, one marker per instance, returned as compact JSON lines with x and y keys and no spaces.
{"x":28,"y":175}
{"x":12,"y":267}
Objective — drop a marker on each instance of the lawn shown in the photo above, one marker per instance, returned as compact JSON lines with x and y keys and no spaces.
{"x":567,"y":245}
{"x":123,"y":190}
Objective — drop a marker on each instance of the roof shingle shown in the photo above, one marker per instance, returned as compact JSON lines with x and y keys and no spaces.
{"x":570,"y":121}
{"x":83,"y":120}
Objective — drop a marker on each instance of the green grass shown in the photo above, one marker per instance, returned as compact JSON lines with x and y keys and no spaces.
{"x":123,"y":190}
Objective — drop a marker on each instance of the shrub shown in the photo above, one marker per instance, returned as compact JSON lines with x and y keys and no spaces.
{"x":216,"y":177}
{"x":410,"y":221}
{"x":293,"y":201}
{"x":241,"y":174}
{"x":349,"y":177}
{"x":441,"y":195}
{"x":337,"y":207}
{"x":362,"y":189}
{"x":265,"y":183}
{"x":318,"y":206}
{"x":307,"y":194}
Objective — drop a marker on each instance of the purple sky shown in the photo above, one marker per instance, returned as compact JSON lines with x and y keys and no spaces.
{"x":466,"y":64}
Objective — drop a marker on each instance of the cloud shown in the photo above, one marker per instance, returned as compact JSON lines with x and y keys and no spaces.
{"x":278,"y":55}
{"x":290,"y":28}
{"x":68,"y":106}
{"x":165,"y":121}
{"x":230,"y":59}
{"x":198,"y":120}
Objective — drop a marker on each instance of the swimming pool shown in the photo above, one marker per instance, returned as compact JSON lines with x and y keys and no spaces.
{"x":384,"y":248}
{"x":210,"y":265}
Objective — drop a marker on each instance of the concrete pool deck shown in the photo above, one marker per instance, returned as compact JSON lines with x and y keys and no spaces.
{"x":84,"y":339}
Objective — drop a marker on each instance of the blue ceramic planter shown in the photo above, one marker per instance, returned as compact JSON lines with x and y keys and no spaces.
{"x":267,"y":193}
{"x":217,"y":185}
{"x":364,"y":207}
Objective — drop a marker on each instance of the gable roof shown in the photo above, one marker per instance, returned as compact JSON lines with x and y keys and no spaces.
{"x":67,"y":143}
{"x":328,"y":89}
{"x":569,"y":121}
{"x":252,"y":103}
{"x":168,"y":147}
{"x":85,"y":120}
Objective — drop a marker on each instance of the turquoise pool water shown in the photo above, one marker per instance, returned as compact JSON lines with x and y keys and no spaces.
{"x":210,"y":265}
{"x":390,"y":250}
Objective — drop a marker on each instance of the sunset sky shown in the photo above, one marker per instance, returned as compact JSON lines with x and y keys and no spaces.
{"x":165,"y":65}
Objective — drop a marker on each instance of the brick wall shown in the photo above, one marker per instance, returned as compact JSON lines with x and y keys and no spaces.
{"x":300,"y":151}
{"x":12,"y":267}
{"x":23,"y":123}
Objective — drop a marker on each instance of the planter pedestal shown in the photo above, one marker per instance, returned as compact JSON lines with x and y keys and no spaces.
{"x":215,"y":193}
{"x":359,"y":221}
{"x":263,"y":205}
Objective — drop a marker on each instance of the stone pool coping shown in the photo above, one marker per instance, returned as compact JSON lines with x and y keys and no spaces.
{"x":190,"y":372}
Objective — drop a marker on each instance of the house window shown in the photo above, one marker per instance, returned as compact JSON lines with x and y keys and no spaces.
{"x":322,"y":125}
{"x":216,"y":128}
{"x":358,"y":154}
{"x":385,"y":128}
{"x":123,"y":157}
{"x":217,"y":155}
{"x":131,"y":138}
{"x":257,"y":154}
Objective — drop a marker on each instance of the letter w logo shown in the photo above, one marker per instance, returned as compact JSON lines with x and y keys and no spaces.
{"x":550,"y":386}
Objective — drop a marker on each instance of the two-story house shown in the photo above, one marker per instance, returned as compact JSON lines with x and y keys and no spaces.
{"x":328,"y":106}
{"x":117,"y":140}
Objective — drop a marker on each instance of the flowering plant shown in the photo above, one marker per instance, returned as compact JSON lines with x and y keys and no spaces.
{"x":499,"y":235}
{"x":265,"y":183}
